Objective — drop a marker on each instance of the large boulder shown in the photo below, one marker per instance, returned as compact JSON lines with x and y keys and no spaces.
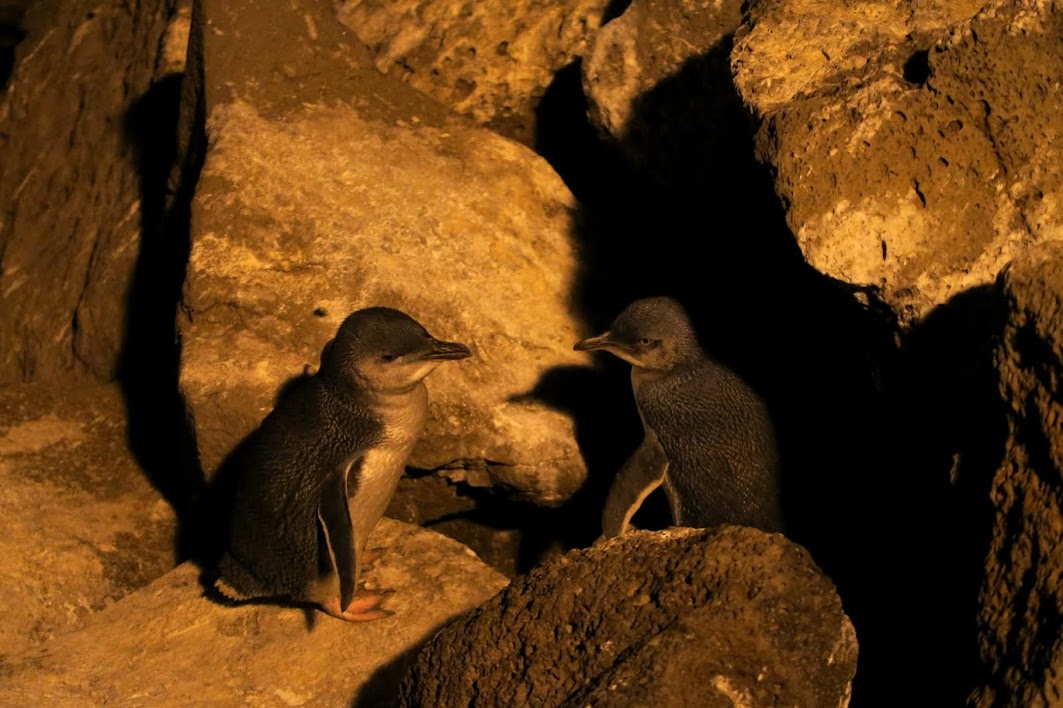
{"x":1021,"y":633}
{"x":70,"y":201}
{"x":83,"y":526}
{"x":730,"y":616}
{"x":169,"y":644}
{"x":491,"y":63}
{"x":328,"y":187}
{"x":910,"y":142}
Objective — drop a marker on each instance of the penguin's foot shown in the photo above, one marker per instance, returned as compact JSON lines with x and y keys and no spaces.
{"x":229,"y":592}
{"x":363,"y":608}
{"x":372,"y":555}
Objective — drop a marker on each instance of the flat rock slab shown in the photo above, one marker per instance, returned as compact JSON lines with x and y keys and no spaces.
{"x":168,"y":644}
{"x":318,"y":197}
{"x":82,"y":526}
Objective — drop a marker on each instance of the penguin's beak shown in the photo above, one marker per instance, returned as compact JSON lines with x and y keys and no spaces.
{"x":592,"y":343}
{"x":441,"y":350}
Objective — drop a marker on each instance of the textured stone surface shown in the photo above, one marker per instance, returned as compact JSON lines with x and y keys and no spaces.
{"x":646,"y":45}
{"x":1022,"y":599}
{"x":487,"y":61}
{"x":328,"y":187}
{"x":69,"y":191}
{"x":731,"y":616}
{"x":911,"y":141}
{"x":168,"y":644}
{"x":82,"y":525}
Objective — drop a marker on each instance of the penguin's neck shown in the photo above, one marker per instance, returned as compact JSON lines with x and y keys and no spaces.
{"x":403,"y":413}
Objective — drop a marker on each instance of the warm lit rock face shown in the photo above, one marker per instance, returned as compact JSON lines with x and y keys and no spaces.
{"x":491,"y":62}
{"x":731,"y":616}
{"x":1022,"y":599}
{"x":168,"y":644}
{"x":70,"y":215}
{"x":914,"y":143}
{"x":327,"y":188}
{"x":82,"y":527}
{"x":645,"y":46}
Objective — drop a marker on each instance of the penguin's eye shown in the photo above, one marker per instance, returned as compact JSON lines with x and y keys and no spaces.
{"x":388,"y":357}
{"x":644,"y":342}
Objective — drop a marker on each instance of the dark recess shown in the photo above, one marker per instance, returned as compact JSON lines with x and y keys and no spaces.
{"x":917,"y":68}
{"x":868,"y":430}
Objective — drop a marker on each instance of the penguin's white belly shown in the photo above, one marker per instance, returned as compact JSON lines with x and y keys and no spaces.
{"x":404,"y":419}
{"x":377,"y":480}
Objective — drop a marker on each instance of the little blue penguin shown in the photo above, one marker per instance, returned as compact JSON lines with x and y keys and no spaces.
{"x":708,"y":438}
{"x":316,"y":476}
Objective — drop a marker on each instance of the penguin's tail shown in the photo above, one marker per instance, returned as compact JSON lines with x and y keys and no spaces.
{"x":235,"y":582}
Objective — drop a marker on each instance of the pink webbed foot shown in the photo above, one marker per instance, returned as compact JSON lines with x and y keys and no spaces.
{"x":363,"y":608}
{"x":371,"y":555}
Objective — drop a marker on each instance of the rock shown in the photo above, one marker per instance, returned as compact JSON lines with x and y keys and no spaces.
{"x":69,"y":183}
{"x":1021,"y":636}
{"x":83,"y":527}
{"x":910,"y":142}
{"x":730,"y":616}
{"x":169,"y":644}
{"x":327,"y":188}
{"x":645,"y":46}
{"x":490,"y":63}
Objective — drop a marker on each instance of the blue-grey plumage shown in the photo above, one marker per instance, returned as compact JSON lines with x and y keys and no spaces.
{"x":708,"y":439}
{"x":317,"y":474}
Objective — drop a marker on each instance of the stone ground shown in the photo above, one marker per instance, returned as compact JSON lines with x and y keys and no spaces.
{"x":171,"y":644}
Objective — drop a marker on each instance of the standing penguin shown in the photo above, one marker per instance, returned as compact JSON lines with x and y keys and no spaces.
{"x":316,"y":476}
{"x":708,"y":438}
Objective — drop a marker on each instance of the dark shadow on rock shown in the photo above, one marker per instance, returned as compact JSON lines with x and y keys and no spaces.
{"x":690,"y":212}
{"x":160,"y":433}
{"x":10,"y":36}
{"x":382,"y":688}
{"x":598,"y":398}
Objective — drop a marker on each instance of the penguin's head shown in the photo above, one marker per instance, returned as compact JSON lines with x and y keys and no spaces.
{"x":383,"y":350}
{"x":653,"y":333}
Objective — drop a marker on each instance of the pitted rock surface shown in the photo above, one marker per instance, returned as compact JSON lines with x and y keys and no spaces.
{"x":1021,"y":598}
{"x":744,"y":616}
{"x":911,"y":141}
{"x":492,"y":63}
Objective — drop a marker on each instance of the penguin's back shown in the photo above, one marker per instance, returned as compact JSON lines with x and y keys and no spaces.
{"x":275,"y":545}
{"x":720,"y":444}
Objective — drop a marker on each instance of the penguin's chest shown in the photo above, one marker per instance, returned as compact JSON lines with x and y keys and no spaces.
{"x":371,"y":488}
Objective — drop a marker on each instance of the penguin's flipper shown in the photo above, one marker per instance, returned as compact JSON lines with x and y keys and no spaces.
{"x":641,"y":474}
{"x":335,"y":517}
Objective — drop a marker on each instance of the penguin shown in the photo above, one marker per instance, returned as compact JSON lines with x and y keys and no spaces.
{"x":313,"y":480}
{"x":708,"y":439}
